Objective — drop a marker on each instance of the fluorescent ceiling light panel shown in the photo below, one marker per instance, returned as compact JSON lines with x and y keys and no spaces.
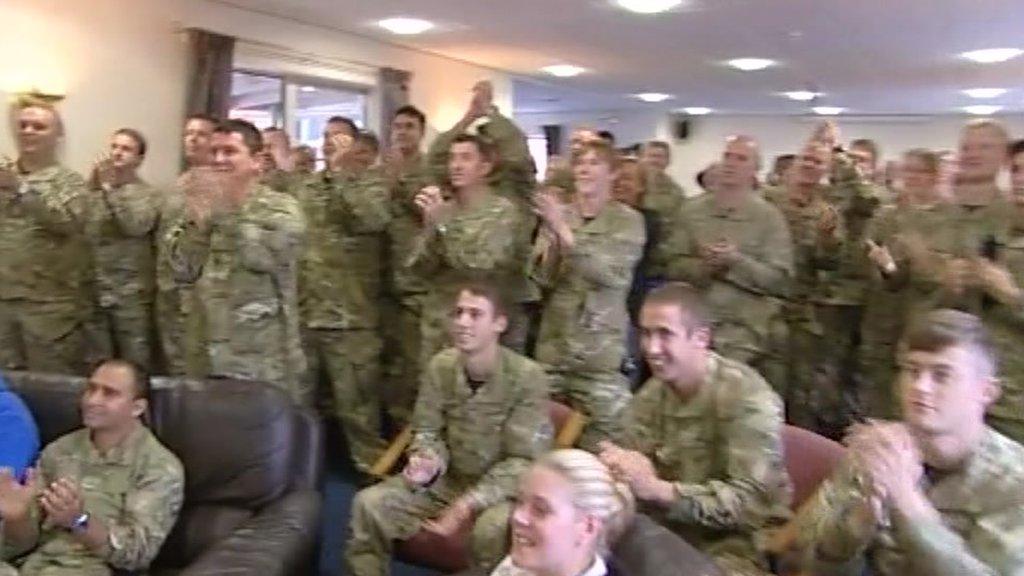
{"x":828,"y":110}
{"x":563,"y":70}
{"x":405,"y":26}
{"x":985,"y":92}
{"x":648,"y":6}
{"x":992,"y":55}
{"x":653,"y":96}
{"x":750,"y":64}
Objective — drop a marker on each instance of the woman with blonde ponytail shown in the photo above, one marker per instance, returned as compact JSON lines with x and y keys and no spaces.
{"x":569,"y":511}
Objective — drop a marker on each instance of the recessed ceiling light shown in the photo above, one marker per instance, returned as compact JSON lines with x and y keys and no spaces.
{"x":653,"y":96}
{"x":750,"y":64}
{"x":801,"y":95}
{"x":563,"y":70}
{"x":828,"y":110}
{"x":308,"y":89}
{"x":992,"y":55}
{"x":697,"y":110}
{"x":648,"y":6}
{"x":982,"y":110}
{"x":985,"y":92}
{"x":405,"y":26}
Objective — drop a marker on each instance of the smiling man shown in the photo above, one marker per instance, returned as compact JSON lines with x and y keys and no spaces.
{"x":939,"y":493}
{"x":703,"y":450}
{"x":104,"y":497}
{"x":480,"y":419}
{"x":239,"y":242}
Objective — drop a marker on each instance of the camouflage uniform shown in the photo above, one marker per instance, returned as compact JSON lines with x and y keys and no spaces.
{"x":980,"y":530}
{"x":472,"y":242}
{"x":121,"y":231}
{"x":45,"y":272}
{"x":722,"y":450}
{"x":663,"y":198}
{"x":561,"y":177}
{"x":745,"y":301}
{"x":1006,"y":326}
{"x":340,"y":295}
{"x":136,"y":489}
{"x":245,"y":269}
{"x":7,"y":570}
{"x":583,"y":329}
{"x":485,"y":440}
{"x":405,"y":291}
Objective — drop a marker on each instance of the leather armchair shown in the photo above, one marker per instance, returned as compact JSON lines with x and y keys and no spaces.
{"x":253,"y":468}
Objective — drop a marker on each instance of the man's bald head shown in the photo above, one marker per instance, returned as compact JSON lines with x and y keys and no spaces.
{"x":741,"y":159}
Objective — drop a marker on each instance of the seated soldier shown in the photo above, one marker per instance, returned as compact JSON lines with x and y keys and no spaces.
{"x":706,"y":431}
{"x":480,"y":419}
{"x":939,"y":493}
{"x":104,"y":497}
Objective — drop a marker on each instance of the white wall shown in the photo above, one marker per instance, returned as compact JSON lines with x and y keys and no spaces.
{"x":122,"y":63}
{"x":777,"y":134}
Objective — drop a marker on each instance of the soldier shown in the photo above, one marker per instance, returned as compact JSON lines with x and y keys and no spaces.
{"x":45,"y":268}
{"x":703,"y":448}
{"x":346,"y":209}
{"x":663,"y":198}
{"x":559,"y":175}
{"x":276,"y":163}
{"x":780,"y":166}
{"x":470,"y":236}
{"x":585,"y":257}
{"x":864,"y":154}
{"x":124,"y":218}
{"x":938,"y":493}
{"x":407,"y":173}
{"x":104,"y":498}
{"x":480,"y":420}
{"x":239,"y":243}
{"x":735,"y":248}
{"x":175,"y":320}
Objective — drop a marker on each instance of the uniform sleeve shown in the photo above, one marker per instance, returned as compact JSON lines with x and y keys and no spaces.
{"x":755,"y":488}
{"x":679,"y":249}
{"x":425,"y":255}
{"x":437,"y":156}
{"x":274,"y":243}
{"x":859,"y":194}
{"x":609,"y":260}
{"x":526,"y":435}
{"x":428,"y":422}
{"x":770,"y":274}
{"x":63,"y":209}
{"x":134,"y":208}
{"x":188,"y":247}
{"x":830,"y":526}
{"x":515,"y":165}
{"x":363,"y":203}
{"x":150,"y":511}
{"x":641,"y":419}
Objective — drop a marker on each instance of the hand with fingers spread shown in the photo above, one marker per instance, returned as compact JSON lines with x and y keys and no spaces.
{"x":340,"y":152}
{"x":636,"y":470}
{"x":62,"y":501}
{"x":451,"y":518}
{"x":104,"y":173}
{"x":431,"y":204}
{"x":997,"y":281}
{"x":15,"y":497}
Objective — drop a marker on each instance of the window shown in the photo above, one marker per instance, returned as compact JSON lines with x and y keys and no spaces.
{"x":301,"y":107}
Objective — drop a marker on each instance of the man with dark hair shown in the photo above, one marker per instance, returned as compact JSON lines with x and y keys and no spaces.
{"x":663,"y":198}
{"x":121,"y":231}
{"x":703,"y":445}
{"x":103,"y":498}
{"x":276,"y":162}
{"x":473,"y":234}
{"x":607,"y":136}
{"x":781,"y":165}
{"x":938,"y":492}
{"x":45,"y":268}
{"x":346,"y":207}
{"x":559,"y":176}
{"x":239,"y":243}
{"x":480,"y":419}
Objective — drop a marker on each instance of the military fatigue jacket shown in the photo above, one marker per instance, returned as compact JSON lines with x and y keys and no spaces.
{"x":136,"y":489}
{"x":44,"y":256}
{"x":121,"y":230}
{"x":664,"y":198}
{"x":245,"y":268}
{"x":488,"y":437}
{"x":980,"y":530}
{"x":404,"y":225}
{"x":583,"y":327}
{"x":342,"y":266}
{"x":1005,"y":322}
{"x":722,"y":449}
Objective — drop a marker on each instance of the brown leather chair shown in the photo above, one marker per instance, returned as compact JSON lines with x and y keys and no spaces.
{"x":253,"y":467}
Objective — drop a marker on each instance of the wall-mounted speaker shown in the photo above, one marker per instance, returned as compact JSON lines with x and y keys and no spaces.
{"x":679,"y":126}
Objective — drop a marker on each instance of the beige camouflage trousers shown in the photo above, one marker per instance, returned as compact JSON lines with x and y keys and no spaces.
{"x":602,"y":396}
{"x":42,"y":337}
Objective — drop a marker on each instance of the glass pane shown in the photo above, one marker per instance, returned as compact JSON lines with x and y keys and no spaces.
{"x":257,"y":99}
{"x":315,"y":104}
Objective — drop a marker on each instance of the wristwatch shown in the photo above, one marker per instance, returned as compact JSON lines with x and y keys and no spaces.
{"x":81,"y":523}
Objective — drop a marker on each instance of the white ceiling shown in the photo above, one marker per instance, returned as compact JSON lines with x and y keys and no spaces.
{"x":871,"y":56}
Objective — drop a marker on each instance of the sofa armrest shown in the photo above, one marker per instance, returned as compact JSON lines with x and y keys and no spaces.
{"x":279,"y":540}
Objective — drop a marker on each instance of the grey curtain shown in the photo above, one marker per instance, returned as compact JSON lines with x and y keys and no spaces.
{"x":209,"y":74}
{"x":394,"y":92}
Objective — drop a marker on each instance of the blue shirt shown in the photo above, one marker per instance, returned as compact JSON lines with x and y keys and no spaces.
{"x":19,"y":437}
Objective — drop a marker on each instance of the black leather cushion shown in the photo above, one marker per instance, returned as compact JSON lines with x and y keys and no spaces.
{"x":52,"y":399}
{"x":198,"y":527}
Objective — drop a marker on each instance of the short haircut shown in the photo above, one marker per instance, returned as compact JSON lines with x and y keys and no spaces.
{"x":607,"y":136}
{"x":140,"y":140}
{"x":783,"y":161}
{"x":413,"y":112}
{"x":927,"y":157}
{"x":602,"y":150}
{"x":659,"y":144}
{"x":1015,"y":147}
{"x":30,"y":101}
{"x":272,"y":129}
{"x":369,"y":139}
{"x":483,"y":146}
{"x":139,"y":376}
{"x":696,"y":314}
{"x":488,"y":290}
{"x":202,"y":116}
{"x":987,"y":124}
{"x":867,"y":144}
{"x":251,"y":135}
{"x":944,"y":328}
{"x":346,"y":121}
